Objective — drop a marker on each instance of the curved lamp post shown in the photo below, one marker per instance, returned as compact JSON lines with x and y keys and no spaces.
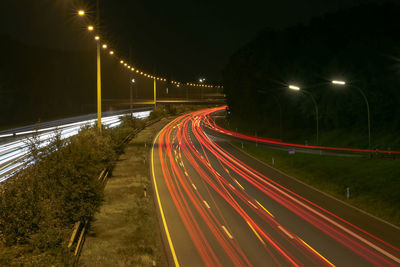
{"x":343,"y":83}
{"x":296,"y":88}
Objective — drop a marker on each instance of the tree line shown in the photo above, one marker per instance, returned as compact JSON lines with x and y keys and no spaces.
{"x":359,"y":45}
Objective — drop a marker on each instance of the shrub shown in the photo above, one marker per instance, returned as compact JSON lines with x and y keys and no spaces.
{"x":38,"y":203}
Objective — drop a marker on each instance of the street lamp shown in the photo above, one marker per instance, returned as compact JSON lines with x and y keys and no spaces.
{"x":97,"y":38}
{"x":155,"y":92}
{"x":296,"y":88}
{"x":131,"y":95}
{"x":342,"y":83}
{"x":280,"y":110}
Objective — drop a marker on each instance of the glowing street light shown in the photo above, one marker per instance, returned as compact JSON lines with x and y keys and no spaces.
{"x":339,"y":82}
{"x":105,"y":46}
{"x":90,"y":28}
{"x":293,"y":87}
{"x":81,"y":13}
{"x":97,"y":37}
{"x":111,"y":52}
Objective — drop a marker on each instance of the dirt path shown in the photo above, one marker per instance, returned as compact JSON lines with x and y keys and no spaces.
{"x":126,"y":231}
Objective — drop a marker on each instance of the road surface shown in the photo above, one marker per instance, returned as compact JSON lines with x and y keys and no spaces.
{"x":216,"y":209}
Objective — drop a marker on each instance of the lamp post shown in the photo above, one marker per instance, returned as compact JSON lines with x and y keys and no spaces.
{"x":280,"y":111}
{"x":343,"y":83}
{"x":155,"y":93}
{"x":131,"y":84}
{"x":98,"y":69}
{"x":296,"y":88}
{"x":201,"y":80}
{"x":97,"y":38}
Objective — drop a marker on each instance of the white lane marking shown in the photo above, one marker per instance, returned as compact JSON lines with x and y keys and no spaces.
{"x":227,"y":232}
{"x":251,"y":203}
{"x":286,"y":232}
{"x":206,"y":204}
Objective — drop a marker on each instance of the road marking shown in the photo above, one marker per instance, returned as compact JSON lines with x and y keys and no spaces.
{"x":265,"y":209}
{"x":159,"y":204}
{"x":227,"y":232}
{"x":239,"y":184}
{"x":205,"y":203}
{"x":195,"y":188}
{"x":232,"y":186}
{"x":343,"y":228}
{"x":251,"y":203}
{"x":286,"y":232}
{"x":316,"y":252}
{"x":258,"y":236}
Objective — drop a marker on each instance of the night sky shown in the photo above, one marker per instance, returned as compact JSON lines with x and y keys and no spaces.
{"x":183,"y":40}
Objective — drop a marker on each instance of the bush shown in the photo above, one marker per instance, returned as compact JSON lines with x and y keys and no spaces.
{"x":158,"y":112}
{"x":40,"y":202}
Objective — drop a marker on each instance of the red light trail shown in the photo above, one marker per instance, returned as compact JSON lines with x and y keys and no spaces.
{"x":209,"y":186}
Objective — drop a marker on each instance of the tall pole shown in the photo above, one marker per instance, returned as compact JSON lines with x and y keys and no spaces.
{"x":280,"y":115}
{"x":130,"y":97}
{"x":368,"y":115}
{"x":280,"y":111}
{"x":98,"y":70}
{"x":155,"y":93}
{"x":316,"y":112}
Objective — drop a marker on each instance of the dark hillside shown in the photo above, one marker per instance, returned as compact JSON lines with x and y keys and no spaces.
{"x":360,"y":45}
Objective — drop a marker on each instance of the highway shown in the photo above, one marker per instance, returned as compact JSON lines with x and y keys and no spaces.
{"x":220,"y":207}
{"x":14,"y":142}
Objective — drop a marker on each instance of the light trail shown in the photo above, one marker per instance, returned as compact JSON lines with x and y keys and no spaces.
{"x":197,"y":171}
{"x":14,"y":154}
{"x":209,"y":123}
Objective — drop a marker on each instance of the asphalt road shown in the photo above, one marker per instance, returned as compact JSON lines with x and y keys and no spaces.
{"x":220,"y":207}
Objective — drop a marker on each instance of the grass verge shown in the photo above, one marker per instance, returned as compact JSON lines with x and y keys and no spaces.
{"x":374,"y":184}
{"x":125,"y":232}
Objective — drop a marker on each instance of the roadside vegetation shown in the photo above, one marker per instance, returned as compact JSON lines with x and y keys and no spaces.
{"x":373,"y":183}
{"x":40,"y":204}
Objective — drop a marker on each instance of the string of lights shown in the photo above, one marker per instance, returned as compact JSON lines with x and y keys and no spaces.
{"x":125,"y":63}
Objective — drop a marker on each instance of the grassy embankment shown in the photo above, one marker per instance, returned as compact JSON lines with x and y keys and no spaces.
{"x":374,"y":183}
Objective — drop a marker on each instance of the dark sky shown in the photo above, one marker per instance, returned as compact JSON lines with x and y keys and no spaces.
{"x":183,"y":39}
